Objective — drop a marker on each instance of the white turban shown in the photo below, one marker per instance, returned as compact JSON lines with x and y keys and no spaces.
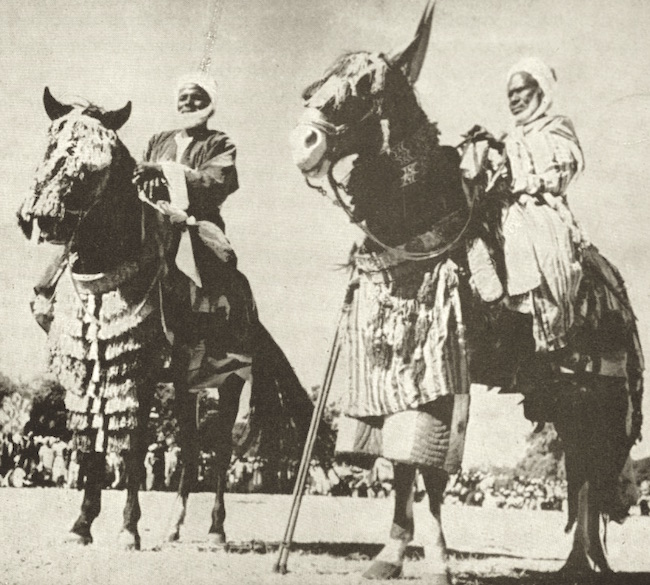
{"x":545,"y":78}
{"x":207,"y":84}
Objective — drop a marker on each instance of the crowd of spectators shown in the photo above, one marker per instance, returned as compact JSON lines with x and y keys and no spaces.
{"x":488,"y":490}
{"x":28,"y":460}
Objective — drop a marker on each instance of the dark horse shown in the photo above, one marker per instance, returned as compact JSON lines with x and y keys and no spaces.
{"x":416,"y":322}
{"x":103,"y":307}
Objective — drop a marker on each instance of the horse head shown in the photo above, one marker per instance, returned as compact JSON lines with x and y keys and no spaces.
{"x":402,"y":182}
{"x":364,"y":104}
{"x":80,"y":190}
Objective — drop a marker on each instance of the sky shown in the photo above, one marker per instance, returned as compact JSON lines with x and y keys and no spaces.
{"x":289,"y":240}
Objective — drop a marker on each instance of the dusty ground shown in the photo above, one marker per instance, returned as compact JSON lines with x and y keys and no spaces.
{"x":334,"y":538}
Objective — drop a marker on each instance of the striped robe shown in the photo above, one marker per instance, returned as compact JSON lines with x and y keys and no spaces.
{"x":541,"y":237}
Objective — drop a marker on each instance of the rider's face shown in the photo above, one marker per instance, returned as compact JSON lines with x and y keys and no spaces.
{"x":191,"y":98}
{"x":522,"y":91}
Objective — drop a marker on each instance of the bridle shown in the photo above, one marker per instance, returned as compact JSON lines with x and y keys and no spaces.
{"x":337,"y":131}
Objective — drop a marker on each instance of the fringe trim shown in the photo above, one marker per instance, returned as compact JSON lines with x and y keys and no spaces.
{"x":105,"y":354}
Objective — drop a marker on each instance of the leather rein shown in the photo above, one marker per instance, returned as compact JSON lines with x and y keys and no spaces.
{"x":337,"y":131}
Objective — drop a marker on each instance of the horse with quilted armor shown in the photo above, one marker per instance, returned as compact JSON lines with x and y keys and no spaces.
{"x":418,"y":332}
{"x":102,"y":304}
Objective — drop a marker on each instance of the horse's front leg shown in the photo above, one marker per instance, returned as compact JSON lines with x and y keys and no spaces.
{"x":435,"y":546}
{"x":229,"y":394}
{"x":389,"y":562}
{"x":94,"y":466}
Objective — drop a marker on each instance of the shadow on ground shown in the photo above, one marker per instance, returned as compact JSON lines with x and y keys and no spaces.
{"x":539,"y":578}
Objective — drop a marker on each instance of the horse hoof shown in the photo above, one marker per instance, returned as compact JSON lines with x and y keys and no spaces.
{"x":174,"y":536}
{"x":383,"y":570}
{"x":438,"y":579}
{"x":76,"y":538}
{"x":128,"y":541}
{"x":217,"y":540}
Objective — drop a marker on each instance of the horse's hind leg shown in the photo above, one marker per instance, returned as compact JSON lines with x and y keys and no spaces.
{"x":94,"y":466}
{"x":189,"y":444}
{"x":129,"y":537}
{"x":388,"y":563}
{"x":229,"y":393}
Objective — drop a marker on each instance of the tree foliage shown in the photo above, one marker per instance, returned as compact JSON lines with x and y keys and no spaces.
{"x":544,"y":457}
{"x":48,"y":416}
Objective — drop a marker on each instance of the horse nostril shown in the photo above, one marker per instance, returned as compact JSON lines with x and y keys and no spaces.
{"x":311,"y":139}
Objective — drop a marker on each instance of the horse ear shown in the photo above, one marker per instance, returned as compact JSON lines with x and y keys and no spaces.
{"x":117,"y":118}
{"x":53,"y":107}
{"x":410,"y":58}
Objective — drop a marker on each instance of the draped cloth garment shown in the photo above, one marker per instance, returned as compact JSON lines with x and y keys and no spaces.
{"x":408,"y":386}
{"x":541,"y":237}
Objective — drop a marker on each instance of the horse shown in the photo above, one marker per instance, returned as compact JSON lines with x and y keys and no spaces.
{"x":104,"y":304}
{"x":591,"y":392}
{"x":417,"y":331}
{"x":99,"y":301}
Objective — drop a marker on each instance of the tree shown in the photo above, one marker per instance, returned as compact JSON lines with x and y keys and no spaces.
{"x":544,"y":456}
{"x":48,"y":416}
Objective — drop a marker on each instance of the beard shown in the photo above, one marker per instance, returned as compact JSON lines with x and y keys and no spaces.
{"x":188,"y":120}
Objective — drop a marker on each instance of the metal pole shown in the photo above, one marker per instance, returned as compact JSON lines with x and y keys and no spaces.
{"x":301,"y":479}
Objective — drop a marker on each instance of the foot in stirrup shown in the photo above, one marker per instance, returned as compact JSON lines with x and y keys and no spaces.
{"x":389,"y":562}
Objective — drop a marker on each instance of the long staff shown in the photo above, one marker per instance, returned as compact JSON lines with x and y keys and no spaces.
{"x":317,"y":414}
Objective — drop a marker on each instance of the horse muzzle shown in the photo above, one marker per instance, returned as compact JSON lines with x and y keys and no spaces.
{"x":47,"y":229}
{"x":309,"y":148}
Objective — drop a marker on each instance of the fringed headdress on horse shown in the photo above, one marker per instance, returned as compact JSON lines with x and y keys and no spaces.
{"x":366,"y":105}
{"x":61,"y":180}
{"x":373,"y":78}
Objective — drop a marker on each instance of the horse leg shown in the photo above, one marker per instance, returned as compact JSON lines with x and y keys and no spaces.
{"x":129,"y":537}
{"x":435,"y":546}
{"x":189,"y":444}
{"x":594,"y":457}
{"x":388,"y":563}
{"x":92,"y":501}
{"x":229,"y":394}
{"x":587,"y":551}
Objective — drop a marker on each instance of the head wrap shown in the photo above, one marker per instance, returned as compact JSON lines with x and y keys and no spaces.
{"x":545,"y":78}
{"x":207,"y":84}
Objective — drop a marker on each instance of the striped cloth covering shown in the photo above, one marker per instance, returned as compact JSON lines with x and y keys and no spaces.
{"x":406,"y":340}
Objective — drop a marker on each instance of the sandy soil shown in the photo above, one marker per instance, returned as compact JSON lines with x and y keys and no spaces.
{"x":334,"y":539}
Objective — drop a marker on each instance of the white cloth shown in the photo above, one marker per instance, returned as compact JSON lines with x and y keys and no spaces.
{"x":545,"y":78}
{"x":207,"y":84}
{"x":174,"y":173}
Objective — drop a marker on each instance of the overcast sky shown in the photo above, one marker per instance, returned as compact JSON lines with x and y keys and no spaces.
{"x":289,"y":240}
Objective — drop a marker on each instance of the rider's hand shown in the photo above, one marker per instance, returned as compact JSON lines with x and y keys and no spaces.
{"x":150,"y":179}
{"x":146,"y":171}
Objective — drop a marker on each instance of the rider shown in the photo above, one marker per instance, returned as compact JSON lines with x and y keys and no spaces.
{"x":541,"y":239}
{"x":188,"y":173}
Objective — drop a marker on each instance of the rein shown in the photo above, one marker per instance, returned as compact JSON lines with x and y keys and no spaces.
{"x":88,"y":277}
{"x":414,"y":256}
